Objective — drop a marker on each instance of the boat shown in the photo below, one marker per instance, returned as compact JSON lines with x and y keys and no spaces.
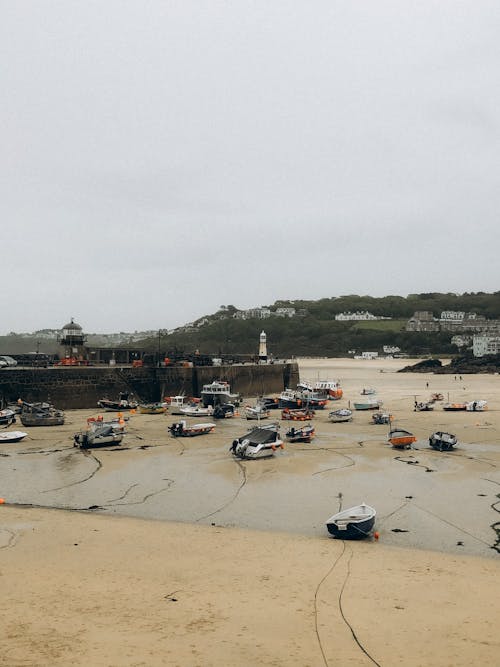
{"x":353,"y":523}
{"x":182,"y":430}
{"x":175,"y":403}
{"x":259,"y":411}
{"x":368,"y":391}
{"x":41,"y":414}
{"x":476,"y":406}
{"x":297,"y":415}
{"x":298,"y":399}
{"x":454,"y":407}
{"x":260,"y":442}
{"x":152,"y":408}
{"x":12,"y":436}
{"x":381,"y":418}
{"x":342,"y":415}
{"x":216,"y":392}
{"x":98,"y":434}
{"x":195,"y":410}
{"x":123,"y":403}
{"x":301,"y":434}
{"x":442,"y":441}
{"x":400,"y":438}
{"x":7,"y":417}
{"x":224,"y":411}
{"x":423,"y":406}
{"x":270,"y":402}
{"x":368,"y":404}
{"x":331,"y":389}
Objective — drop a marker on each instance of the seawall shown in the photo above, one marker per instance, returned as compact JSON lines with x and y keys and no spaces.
{"x":82,"y":387}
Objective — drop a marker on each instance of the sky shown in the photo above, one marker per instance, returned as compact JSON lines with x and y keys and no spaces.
{"x":160,"y":158}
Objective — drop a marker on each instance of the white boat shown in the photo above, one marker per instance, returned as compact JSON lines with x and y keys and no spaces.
{"x":218,"y":392}
{"x":342,"y":415}
{"x":368,"y":391}
{"x":182,"y":430}
{"x":368,"y":404}
{"x":258,"y":411}
{"x":261,"y":442}
{"x":98,"y":434}
{"x":175,"y":403}
{"x":331,"y":388}
{"x":195,"y":411}
{"x":476,"y":406}
{"x":7,"y":417}
{"x":12,"y":436}
{"x":353,"y":523}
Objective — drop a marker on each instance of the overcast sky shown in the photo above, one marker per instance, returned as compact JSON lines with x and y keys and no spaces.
{"x":161,"y":158}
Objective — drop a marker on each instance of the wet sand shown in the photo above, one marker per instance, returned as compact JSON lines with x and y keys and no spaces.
{"x":255,"y":577}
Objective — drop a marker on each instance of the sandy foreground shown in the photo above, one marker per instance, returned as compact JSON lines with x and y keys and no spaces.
{"x":247,"y":579}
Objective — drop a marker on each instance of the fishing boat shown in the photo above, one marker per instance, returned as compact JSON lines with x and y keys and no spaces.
{"x":41,"y":414}
{"x":381,"y":418}
{"x":224,"y":411}
{"x":330,"y":388}
{"x":442,"y":441}
{"x":342,"y":415}
{"x":368,"y":391}
{"x":182,"y":430}
{"x":216,"y":392}
{"x":368,"y":404}
{"x":12,"y":436}
{"x":298,"y":399}
{"x":353,"y":523}
{"x":301,"y":434}
{"x":98,"y":434}
{"x":297,"y":415}
{"x":261,"y":442}
{"x":270,"y":402}
{"x":7,"y":417}
{"x":400,"y":438}
{"x":152,"y":408}
{"x":259,"y":411}
{"x":124,"y":402}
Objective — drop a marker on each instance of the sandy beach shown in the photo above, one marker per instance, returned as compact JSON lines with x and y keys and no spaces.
{"x":170,"y":552}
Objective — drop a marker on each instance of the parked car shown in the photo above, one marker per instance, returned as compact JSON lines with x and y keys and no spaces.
{"x":5,"y":360}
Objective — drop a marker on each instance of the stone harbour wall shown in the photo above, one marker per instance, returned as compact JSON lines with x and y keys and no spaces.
{"x":81,"y":387}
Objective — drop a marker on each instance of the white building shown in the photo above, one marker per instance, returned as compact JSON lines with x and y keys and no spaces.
{"x":391,"y":349}
{"x":252,"y":313}
{"x":285,"y":312}
{"x":357,"y":316}
{"x":483,"y":345}
{"x":452,"y":316}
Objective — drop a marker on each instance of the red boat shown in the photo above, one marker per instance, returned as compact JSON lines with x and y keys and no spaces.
{"x":297,"y":415}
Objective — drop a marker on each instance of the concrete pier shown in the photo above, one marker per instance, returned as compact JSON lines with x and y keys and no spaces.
{"x":81,"y":387}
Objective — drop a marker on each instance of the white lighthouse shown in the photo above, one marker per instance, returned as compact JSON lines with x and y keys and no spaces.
{"x":263,"y":348}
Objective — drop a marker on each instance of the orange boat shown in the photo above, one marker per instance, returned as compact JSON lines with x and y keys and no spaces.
{"x":401,"y":439}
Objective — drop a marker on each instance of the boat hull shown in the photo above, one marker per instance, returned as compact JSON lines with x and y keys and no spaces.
{"x":338,"y":416}
{"x":12,"y":436}
{"x":354,"y":524}
{"x":368,"y":405}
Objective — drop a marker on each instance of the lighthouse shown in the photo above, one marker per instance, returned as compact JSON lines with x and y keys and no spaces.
{"x":263,"y":348}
